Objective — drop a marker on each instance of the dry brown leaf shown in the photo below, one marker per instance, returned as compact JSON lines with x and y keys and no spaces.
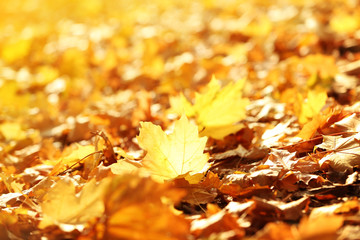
{"x":344,"y":152}
{"x":103,"y":66}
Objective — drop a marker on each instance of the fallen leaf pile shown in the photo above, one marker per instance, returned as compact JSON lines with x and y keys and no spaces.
{"x":167,"y":120}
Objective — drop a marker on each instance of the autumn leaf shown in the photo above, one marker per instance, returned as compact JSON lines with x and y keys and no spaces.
{"x":200,"y":193}
{"x":138,"y":208}
{"x":179,"y":153}
{"x":344,"y":152}
{"x":6,"y":220}
{"x":16,"y":49}
{"x":70,"y":160}
{"x":312,"y":105}
{"x":61,"y":205}
{"x":215,"y":224}
{"x":344,"y":23}
{"x":218,"y":159}
{"x":11,"y":102}
{"x":12,"y":131}
{"x":350,"y":124}
{"x":321,"y":123}
{"x":217,"y":110}
{"x":324,"y":227}
{"x":125,"y":166}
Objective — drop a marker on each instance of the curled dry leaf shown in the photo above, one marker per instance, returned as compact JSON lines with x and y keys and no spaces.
{"x":344,"y":152}
{"x":200,"y":193}
{"x":244,"y":154}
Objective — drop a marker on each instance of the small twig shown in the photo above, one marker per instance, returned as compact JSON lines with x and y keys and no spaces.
{"x":77,"y":162}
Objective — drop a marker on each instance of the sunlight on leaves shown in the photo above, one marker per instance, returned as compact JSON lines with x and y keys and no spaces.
{"x":179,"y":153}
{"x":137,"y":208}
{"x":78,"y":153}
{"x":61,"y":205}
{"x":345,"y":152}
{"x":311,"y":106}
{"x":216,"y":110}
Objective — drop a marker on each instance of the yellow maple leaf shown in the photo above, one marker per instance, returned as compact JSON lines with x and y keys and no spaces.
{"x":217,"y":110}
{"x":179,"y":153}
{"x":16,"y":49}
{"x":61,"y":205}
{"x":344,"y":23}
{"x":12,"y":103}
{"x":312,"y":106}
{"x":12,"y":131}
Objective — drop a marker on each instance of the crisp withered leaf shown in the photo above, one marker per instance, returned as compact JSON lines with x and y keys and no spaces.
{"x":216,"y":110}
{"x":107,"y":65}
{"x":272,"y":137}
{"x":348,"y":124}
{"x":321,"y":123}
{"x":344,"y":152}
{"x":179,"y":153}
{"x":245,"y":154}
{"x":203,"y":192}
{"x":280,"y":158}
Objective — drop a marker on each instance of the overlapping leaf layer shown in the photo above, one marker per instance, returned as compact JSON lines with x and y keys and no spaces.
{"x":179,"y":119}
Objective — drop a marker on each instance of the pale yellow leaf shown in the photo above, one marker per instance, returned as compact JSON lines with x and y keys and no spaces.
{"x":217,"y":110}
{"x":180,"y":105}
{"x":315,"y":101}
{"x":344,"y":23}
{"x":221,"y":107}
{"x":11,"y":102}
{"x":125,"y":166}
{"x":218,"y":132}
{"x":178,"y":153}
{"x":12,"y":131}
{"x":61,"y":205}
{"x":16,"y":49}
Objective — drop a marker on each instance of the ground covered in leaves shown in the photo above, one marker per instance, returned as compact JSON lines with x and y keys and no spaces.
{"x":180,"y":119}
